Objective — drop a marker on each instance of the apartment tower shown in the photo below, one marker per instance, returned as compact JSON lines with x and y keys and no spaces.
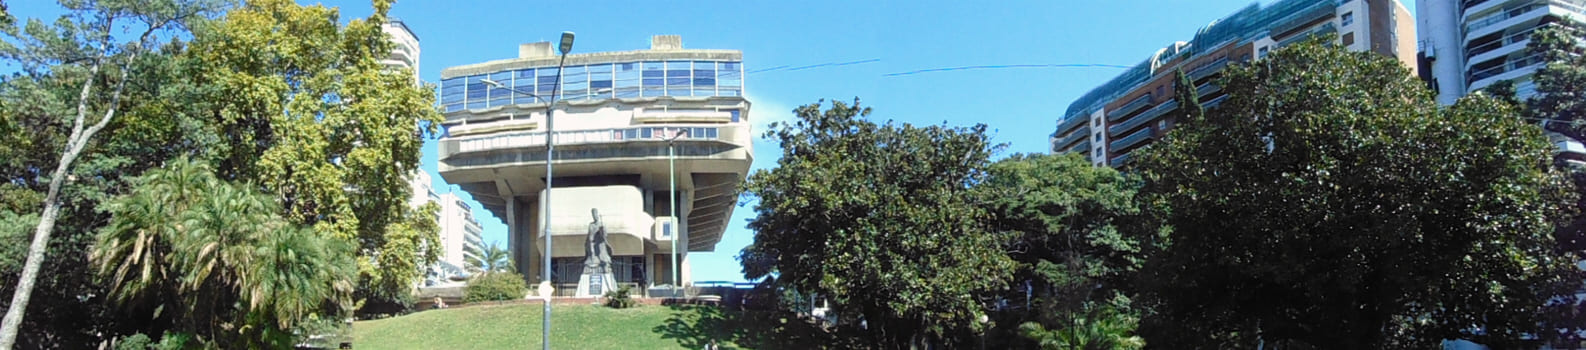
{"x":1134,"y":108}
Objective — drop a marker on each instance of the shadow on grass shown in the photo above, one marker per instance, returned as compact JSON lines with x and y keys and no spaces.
{"x":694,"y":326}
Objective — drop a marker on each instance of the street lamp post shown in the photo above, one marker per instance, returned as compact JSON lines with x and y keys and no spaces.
{"x":671,"y":167}
{"x":550,"y":149}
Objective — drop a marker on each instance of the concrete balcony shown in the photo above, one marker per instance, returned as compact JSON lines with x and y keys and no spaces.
{"x":1131,"y":140}
{"x":1508,"y":17}
{"x":1131,"y":107}
{"x":519,"y":147}
{"x":1066,"y":141}
{"x":1143,"y":118}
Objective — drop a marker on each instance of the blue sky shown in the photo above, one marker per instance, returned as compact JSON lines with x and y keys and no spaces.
{"x":1020,"y":106}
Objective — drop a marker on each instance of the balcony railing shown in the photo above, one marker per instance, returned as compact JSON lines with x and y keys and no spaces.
{"x":1510,"y":65}
{"x":1130,"y":107}
{"x":1142,"y":118}
{"x":1070,"y":123}
{"x":1324,"y":29}
{"x":1208,"y":69}
{"x":1119,"y":160}
{"x":1066,"y":140}
{"x":1207,"y":89}
{"x":573,"y":137}
{"x":1507,"y":13}
{"x":1511,"y":39}
{"x":1214,"y":102}
{"x":1131,"y":140}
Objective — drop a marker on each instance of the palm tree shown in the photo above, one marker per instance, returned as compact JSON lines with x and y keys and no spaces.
{"x":493,"y":259}
{"x":219,"y":260}
{"x":1098,"y":328}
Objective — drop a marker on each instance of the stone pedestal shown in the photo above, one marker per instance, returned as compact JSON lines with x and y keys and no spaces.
{"x":596,"y":285}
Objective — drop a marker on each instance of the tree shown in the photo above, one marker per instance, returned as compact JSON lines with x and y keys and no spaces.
{"x":1330,"y":202}
{"x":84,"y":48}
{"x":1561,"y":83}
{"x":218,"y":260}
{"x":879,"y":218}
{"x":1188,"y":98}
{"x":493,"y":259}
{"x":1063,"y":217}
{"x":1560,"y":88}
{"x":306,"y":111}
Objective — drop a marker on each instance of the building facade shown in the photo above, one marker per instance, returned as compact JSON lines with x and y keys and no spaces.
{"x":460,"y":233}
{"x":1467,"y":45}
{"x":406,"y":52}
{"x":1136,"y":107}
{"x":613,"y":116}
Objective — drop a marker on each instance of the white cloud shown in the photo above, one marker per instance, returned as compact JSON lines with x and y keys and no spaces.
{"x":762,"y":113}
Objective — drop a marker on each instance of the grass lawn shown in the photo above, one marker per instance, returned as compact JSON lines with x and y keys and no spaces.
{"x":517,"y":326}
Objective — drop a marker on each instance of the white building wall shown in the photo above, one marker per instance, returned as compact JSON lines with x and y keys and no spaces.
{"x":1443,"y":37}
{"x":406,"y":53}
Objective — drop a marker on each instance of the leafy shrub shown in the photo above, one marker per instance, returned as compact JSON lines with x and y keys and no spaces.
{"x":495,"y":286}
{"x":140,"y":341}
{"x":621,"y":298}
{"x":134,"y":342}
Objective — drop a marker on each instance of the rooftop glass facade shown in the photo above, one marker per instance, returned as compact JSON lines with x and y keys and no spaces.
{"x":1252,"y":22}
{"x":596,"y":81}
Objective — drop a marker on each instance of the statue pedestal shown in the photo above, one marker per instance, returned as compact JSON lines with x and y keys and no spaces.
{"x":595,"y":285}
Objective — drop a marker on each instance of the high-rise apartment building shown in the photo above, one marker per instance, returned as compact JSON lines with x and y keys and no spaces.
{"x":460,"y":232}
{"x":406,"y":52}
{"x":614,"y":116}
{"x":1467,"y":45}
{"x":1134,"y":108}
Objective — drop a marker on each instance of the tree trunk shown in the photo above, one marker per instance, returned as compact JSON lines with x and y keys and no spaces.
{"x":52,"y":206}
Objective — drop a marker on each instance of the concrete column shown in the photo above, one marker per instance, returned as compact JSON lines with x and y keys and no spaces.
{"x":533,"y":265}
{"x":685,"y":273}
{"x":513,"y":242}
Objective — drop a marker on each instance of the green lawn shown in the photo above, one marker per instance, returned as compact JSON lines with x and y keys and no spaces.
{"x":517,"y":326}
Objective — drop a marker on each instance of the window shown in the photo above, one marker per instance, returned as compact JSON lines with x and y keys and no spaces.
{"x":1098,"y":137}
{"x":654,"y":79}
{"x":478,"y":92}
{"x":600,"y":83}
{"x":677,"y":78}
{"x":704,"y":78}
{"x":729,"y":79}
{"x":627,"y":75}
{"x":575,"y":82}
{"x":523,"y":80}
{"x":1261,"y":53}
{"x":1097,"y":122}
{"x":452,"y":92}
{"x":735,"y":117}
{"x":547,"y":82}
{"x":500,"y":96}
{"x":1347,"y":19}
{"x":1348,"y":39}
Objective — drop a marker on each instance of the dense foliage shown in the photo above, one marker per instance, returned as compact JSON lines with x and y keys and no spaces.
{"x":879,"y":218}
{"x":1329,"y":202}
{"x":494,"y":287}
{"x":283,"y":98}
{"x":1063,"y":217}
{"x":214,"y":259}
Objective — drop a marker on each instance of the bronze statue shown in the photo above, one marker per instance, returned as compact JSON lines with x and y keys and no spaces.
{"x":597,"y":253}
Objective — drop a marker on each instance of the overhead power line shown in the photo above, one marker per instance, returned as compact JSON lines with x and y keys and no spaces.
{"x":1004,"y":66}
{"x":828,"y":64}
